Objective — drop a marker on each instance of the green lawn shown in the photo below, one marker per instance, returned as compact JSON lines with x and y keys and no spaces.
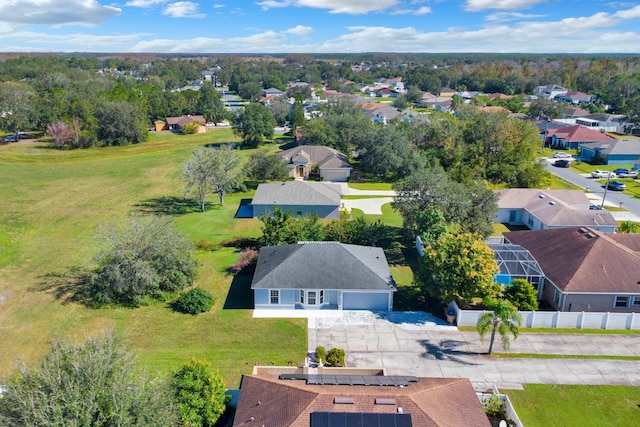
{"x":371,"y":186}
{"x":52,"y":203}
{"x":574,"y":405}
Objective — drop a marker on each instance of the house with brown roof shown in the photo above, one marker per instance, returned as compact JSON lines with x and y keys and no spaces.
{"x":304,"y":160}
{"x":276,"y":401}
{"x":177,"y":124}
{"x":571,"y":137}
{"x":585,"y":270}
{"x":547,"y":209}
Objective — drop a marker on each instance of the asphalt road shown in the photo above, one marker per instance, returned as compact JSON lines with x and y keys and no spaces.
{"x":613,"y":198}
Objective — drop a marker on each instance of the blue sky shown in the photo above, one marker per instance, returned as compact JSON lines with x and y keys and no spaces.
{"x":320,"y":26}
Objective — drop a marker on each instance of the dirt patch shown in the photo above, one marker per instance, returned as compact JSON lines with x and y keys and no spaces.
{"x":5,"y":296}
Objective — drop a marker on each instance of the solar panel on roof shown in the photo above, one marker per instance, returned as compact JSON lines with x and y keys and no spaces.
{"x":359,"y":419}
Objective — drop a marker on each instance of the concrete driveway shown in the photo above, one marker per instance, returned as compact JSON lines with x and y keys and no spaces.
{"x":418,"y":344}
{"x":371,"y":206}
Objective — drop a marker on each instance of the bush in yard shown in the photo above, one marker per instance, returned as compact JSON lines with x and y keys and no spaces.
{"x":522,"y":295}
{"x":247,"y":260}
{"x":200,"y":394}
{"x":336,"y":357}
{"x":194,"y":301}
{"x":321,"y":354}
{"x":145,"y":260}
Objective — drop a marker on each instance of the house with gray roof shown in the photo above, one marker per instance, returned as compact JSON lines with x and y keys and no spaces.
{"x":584,"y":269}
{"x":298,"y":197}
{"x":613,"y":152}
{"x":323,"y":275}
{"x":544,"y":209}
{"x":304,"y":160}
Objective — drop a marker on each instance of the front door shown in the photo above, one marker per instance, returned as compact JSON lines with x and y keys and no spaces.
{"x":300,"y":172}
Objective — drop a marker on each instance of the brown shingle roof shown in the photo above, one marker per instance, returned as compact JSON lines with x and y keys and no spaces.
{"x":580,"y":259}
{"x":266,"y":400}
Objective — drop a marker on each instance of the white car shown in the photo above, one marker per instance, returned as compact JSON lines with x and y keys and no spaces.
{"x":602,"y":174}
{"x":561,"y":155}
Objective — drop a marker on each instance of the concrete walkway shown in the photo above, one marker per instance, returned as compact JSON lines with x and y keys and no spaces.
{"x":417,"y":344}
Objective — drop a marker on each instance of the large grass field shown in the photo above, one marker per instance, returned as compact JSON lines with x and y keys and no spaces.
{"x":52,"y":203}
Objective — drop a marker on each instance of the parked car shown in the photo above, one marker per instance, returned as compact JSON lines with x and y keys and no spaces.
{"x":626,"y":173}
{"x":10,"y":138}
{"x":616,"y":186}
{"x":562,"y":163}
{"x":602,"y":174}
{"x":594,"y":207}
{"x":561,"y":155}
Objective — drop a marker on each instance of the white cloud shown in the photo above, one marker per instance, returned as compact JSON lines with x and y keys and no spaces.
{"x":56,"y":12}
{"x":183,"y":9}
{"x":510,"y":16}
{"x":424,"y":10}
{"x":352,"y":7}
{"x":300,"y":30}
{"x":476,"y":5}
{"x":632,"y":13}
{"x":218,"y":6}
{"x":144,"y":3}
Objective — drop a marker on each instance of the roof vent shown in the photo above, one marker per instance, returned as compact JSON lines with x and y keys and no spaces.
{"x":343,"y":400}
{"x":384,"y":401}
{"x":582,"y":230}
{"x":590,"y":235}
{"x":541,"y":196}
{"x":552,"y":203}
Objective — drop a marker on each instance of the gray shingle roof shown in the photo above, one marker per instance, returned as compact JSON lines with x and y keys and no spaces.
{"x":316,"y":155}
{"x":297,"y":193}
{"x":322,"y":265}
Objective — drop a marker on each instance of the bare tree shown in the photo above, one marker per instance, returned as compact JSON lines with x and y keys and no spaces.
{"x":212,"y":170}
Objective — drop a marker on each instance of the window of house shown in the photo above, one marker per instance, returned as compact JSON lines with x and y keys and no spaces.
{"x":301,"y":296}
{"x":274,"y":296}
{"x":556,"y":297}
{"x":621,"y":302}
{"x":636,"y":301}
{"x":321,"y":297}
{"x":311,"y":297}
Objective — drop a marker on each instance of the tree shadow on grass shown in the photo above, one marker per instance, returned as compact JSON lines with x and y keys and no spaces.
{"x":67,"y":286}
{"x":240,"y":296}
{"x":447,"y":350}
{"x":170,"y":205}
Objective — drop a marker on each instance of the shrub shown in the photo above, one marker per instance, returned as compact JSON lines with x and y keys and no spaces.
{"x":522,"y":295}
{"x":246,"y":261}
{"x":194,"y":301}
{"x":321,"y":353}
{"x":336,"y":357}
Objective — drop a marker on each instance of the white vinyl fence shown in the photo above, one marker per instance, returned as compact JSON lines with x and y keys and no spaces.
{"x":558,"y":319}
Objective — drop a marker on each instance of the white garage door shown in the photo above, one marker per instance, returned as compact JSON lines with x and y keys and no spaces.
{"x":365,"y":301}
{"x":334,"y":176}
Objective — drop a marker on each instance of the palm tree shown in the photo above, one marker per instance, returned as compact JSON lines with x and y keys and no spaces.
{"x":504,"y":318}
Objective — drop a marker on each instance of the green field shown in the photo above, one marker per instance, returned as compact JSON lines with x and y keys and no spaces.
{"x":52,"y":204}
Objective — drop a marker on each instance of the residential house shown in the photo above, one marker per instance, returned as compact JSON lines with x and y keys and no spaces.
{"x":572,"y":137}
{"x":550,"y":91}
{"x":443,"y":105}
{"x":585,"y":270}
{"x":614,"y":152}
{"x":498,"y":95}
{"x":304,"y":160}
{"x":382,"y":113}
{"x":428,"y":99}
{"x":298,"y":197}
{"x":177,"y":124}
{"x":447,"y":92}
{"x":577,"y":97}
{"x":323,"y":275}
{"x":305,"y":400}
{"x":547,"y":209}
{"x":384,"y":92}
{"x":572,"y":113}
{"x":272,"y":91}
{"x":602,"y":122}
